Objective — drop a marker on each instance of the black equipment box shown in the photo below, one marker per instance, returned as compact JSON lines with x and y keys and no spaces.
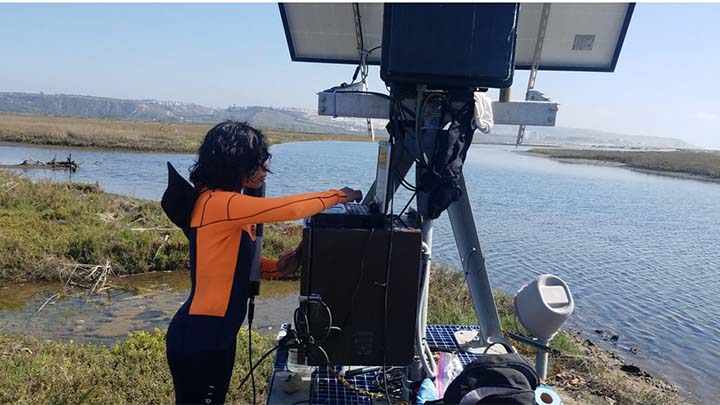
{"x":347,"y":269}
{"x":449,"y":45}
{"x":355,"y":216}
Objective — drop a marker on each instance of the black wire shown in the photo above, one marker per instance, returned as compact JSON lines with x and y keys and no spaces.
{"x":387,"y":284}
{"x":257,"y":364}
{"x":394,"y":385}
{"x":362,"y":272}
{"x":252,"y":375}
{"x":407,"y":205}
{"x":403,"y":182}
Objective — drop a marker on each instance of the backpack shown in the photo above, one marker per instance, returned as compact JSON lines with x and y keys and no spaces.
{"x":494,"y":379}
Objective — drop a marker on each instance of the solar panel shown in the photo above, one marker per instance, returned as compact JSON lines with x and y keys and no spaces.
{"x":325,"y":388}
{"x":579,"y":37}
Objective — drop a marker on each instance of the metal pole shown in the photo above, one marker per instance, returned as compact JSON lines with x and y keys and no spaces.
{"x":541,"y":360}
{"x":363,"y":59}
{"x":504,"y":95}
{"x":473,"y":262}
{"x":535,"y":63}
{"x":401,"y":162}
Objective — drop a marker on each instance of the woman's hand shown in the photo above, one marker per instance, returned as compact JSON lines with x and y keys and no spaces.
{"x":352,"y":195}
{"x":289,"y":263}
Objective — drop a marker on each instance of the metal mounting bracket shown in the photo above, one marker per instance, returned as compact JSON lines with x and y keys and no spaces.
{"x":341,"y":102}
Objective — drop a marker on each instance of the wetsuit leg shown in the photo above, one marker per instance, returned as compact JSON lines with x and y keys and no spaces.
{"x":203,"y":377}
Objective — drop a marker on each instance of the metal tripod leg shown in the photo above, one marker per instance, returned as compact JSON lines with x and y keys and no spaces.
{"x":401,"y":162}
{"x":473,"y":262}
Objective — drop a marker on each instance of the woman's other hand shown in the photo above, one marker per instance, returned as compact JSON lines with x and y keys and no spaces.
{"x":289,"y":263}
{"x":352,"y":195}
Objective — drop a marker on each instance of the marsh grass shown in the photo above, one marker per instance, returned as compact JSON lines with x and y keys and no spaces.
{"x":50,"y":229}
{"x":450,"y":303}
{"x":126,"y":135}
{"x":695,"y":162}
{"x":133,"y":371}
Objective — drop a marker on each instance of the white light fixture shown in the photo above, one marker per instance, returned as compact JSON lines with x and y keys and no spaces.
{"x":542,"y":307}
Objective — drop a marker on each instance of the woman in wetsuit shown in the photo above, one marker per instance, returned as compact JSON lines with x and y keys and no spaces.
{"x":219,"y":222}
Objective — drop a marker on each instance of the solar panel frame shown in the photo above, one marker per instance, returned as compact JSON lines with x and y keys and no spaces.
{"x":371,"y":20}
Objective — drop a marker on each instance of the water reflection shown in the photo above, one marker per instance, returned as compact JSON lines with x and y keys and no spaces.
{"x":140,"y":302}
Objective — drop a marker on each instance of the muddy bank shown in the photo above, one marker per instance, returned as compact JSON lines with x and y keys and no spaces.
{"x":599,"y":376}
{"x":582,"y":374}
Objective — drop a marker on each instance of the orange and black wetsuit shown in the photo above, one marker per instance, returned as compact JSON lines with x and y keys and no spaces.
{"x":201,"y":337}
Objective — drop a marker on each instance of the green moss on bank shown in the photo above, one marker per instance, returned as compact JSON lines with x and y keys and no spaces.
{"x":49,"y":227}
{"x":133,"y":371}
{"x":450,"y":303}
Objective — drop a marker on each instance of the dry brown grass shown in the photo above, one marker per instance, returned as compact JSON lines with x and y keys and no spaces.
{"x":124,"y":135}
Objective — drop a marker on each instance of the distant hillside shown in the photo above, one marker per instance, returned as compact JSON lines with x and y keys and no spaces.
{"x":580,"y":137}
{"x":291,"y":119}
{"x":167,"y":111}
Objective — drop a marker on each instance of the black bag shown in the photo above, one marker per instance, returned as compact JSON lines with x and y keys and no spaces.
{"x":438,"y":185}
{"x":494,"y":379}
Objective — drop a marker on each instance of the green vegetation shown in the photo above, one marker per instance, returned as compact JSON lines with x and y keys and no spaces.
{"x":125,"y":135}
{"x":133,"y":371}
{"x":697,"y":163}
{"x":450,"y":303}
{"x":49,"y":227}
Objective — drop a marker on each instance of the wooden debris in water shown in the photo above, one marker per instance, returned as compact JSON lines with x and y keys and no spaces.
{"x":67,"y":164}
{"x":91,"y":277}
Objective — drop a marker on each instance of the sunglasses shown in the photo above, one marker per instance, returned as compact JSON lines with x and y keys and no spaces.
{"x":263,"y":162}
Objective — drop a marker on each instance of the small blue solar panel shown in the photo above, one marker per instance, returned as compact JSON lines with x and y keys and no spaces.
{"x":442,"y":337}
{"x":326,"y":389}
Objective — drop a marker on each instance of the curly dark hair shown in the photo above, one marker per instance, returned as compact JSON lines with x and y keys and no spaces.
{"x":231,"y":151}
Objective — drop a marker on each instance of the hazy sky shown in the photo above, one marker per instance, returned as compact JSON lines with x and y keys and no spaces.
{"x":667,"y":82}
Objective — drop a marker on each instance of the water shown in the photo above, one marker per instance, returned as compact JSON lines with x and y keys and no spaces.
{"x":640,"y":252}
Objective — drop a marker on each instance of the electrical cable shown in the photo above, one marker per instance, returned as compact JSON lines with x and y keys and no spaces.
{"x":362,"y":272}
{"x":252,"y":370}
{"x":251,"y":315}
{"x":403,"y":182}
{"x":407,"y":205}
{"x":394,"y":385}
{"x":388,"y":269}
{"x":252,"y":375}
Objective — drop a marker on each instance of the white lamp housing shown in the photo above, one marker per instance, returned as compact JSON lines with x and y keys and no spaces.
{"x":543,"y":306}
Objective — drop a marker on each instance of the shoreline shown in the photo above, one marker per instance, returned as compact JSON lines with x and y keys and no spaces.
{"x":585,"y":372}
{"x":609,"y":163}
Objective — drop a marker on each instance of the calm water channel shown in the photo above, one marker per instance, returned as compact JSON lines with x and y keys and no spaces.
{"x":639,"y":251}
